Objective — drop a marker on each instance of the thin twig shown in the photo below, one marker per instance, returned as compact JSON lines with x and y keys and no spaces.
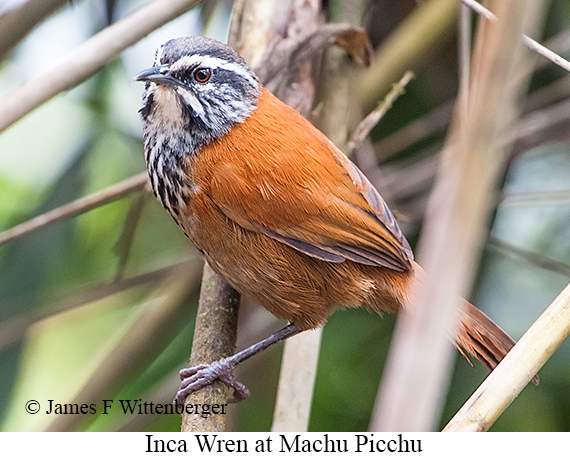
{"x":547,"y":95}
{"x":14,"y":328}
{"x":369,"y":122}
{"x":419,"y":129}
{"x":480,"y":9}
{"x":125,"y":243}
{"x":17,"y":21}
{"x":559,"y":43}
{"x":547,"y":53}
{"x":89,"y":57}
{"x":547,"y":197}
{"x":533,"y":258}
{"x":511,"y":376}
{"x":77,"y":207}
{"x":542,"y":126}
{"x":532,"y":44}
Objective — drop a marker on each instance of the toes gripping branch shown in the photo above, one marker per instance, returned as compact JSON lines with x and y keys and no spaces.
{"x":194,"y":378}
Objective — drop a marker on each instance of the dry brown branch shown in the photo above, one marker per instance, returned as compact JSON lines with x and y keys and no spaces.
{"x":459,"y":208}
{"x":256,"y":26}
{"x":282,"y":65}
{"x":89,"y":57}
{"x":214,"y":338}
{"x":77,"y":207}
{"x":511,"y":376}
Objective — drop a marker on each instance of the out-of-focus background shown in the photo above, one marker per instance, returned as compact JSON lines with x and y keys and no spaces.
{"x":70,"y":293}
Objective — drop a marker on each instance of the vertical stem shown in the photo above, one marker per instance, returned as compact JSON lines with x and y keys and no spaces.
{"x":296,"y":382}
{"x":464,"y":54}
{"x":214,"y":338}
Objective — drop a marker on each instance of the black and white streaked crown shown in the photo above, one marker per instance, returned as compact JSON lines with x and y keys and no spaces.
{"x":177,"y":48}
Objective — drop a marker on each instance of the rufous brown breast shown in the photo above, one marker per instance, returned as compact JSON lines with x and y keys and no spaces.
{"x":276,"y":208}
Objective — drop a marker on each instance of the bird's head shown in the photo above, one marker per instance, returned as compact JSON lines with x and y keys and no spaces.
{"x":199,"y":85}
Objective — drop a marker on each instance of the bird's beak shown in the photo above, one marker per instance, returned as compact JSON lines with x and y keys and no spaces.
{"x":159,"y":75}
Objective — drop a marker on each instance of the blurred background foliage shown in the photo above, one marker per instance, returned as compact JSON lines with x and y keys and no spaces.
{"x":71,"y":293}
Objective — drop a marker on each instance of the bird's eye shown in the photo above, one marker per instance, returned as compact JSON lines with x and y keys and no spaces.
{"x":202,"y":75}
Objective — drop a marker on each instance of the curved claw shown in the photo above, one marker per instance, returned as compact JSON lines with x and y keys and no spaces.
{"x":194,"y":378}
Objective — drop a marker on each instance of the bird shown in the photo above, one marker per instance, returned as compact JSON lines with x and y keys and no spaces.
{"x":276,"y":209}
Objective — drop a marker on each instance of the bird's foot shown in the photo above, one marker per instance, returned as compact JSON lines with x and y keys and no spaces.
{"x":194,"y":378}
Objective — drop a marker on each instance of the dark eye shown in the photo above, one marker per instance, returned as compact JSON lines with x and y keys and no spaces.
{"x":202,"y":75}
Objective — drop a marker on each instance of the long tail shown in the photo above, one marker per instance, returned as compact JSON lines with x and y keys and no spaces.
{"x":477,"y":335}
{"x":482,"y":338}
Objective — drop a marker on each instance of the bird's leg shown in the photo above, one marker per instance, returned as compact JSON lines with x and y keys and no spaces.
{"x":195,"y":378}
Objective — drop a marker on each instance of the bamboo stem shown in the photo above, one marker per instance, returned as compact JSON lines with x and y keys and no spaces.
{"x":516,"y":370}
{"x":296,"y":382}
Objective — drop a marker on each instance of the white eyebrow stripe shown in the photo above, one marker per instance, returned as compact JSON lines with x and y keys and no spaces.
{"x":214,"y":62}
